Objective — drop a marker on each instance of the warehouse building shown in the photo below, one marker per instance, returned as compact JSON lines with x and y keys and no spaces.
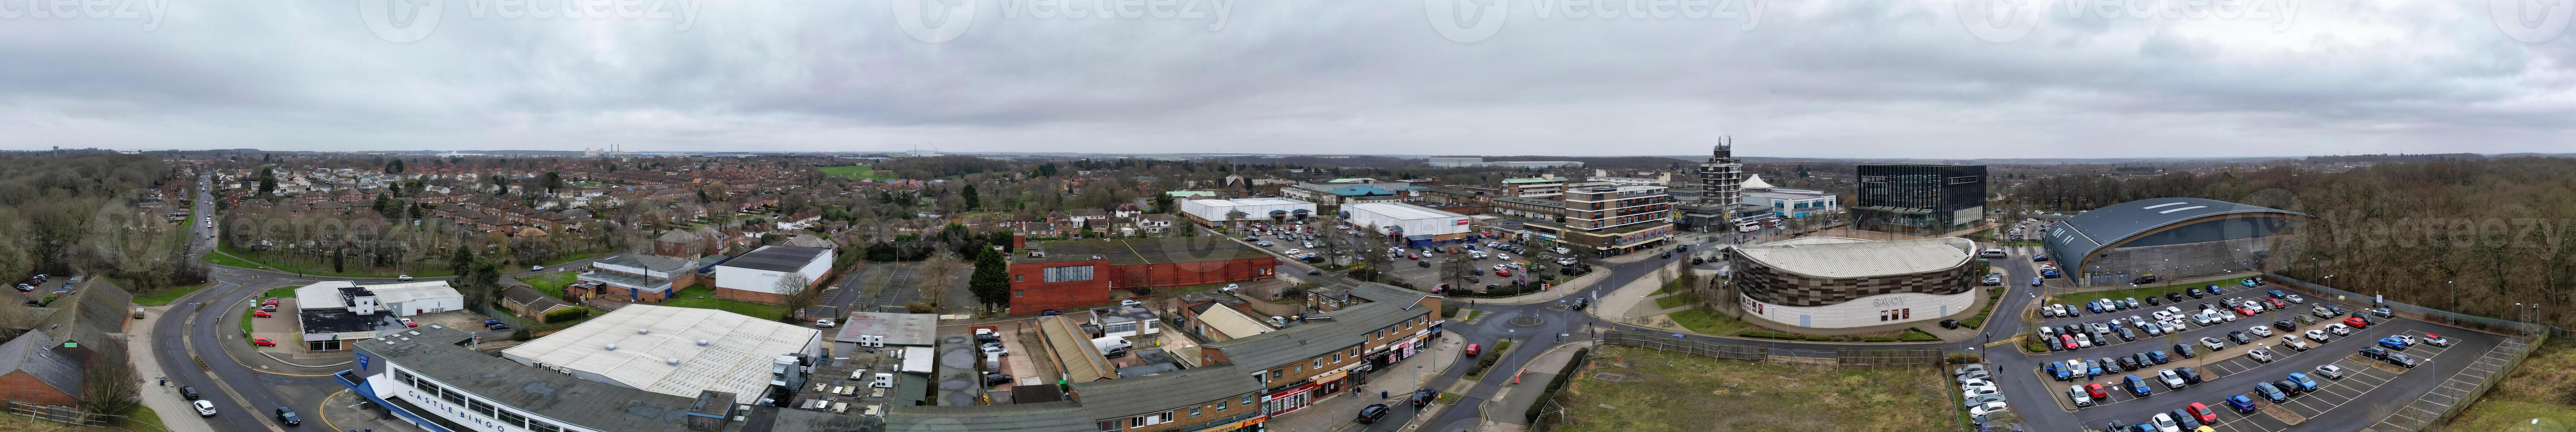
{"x":1835,"y":282}
{"x":1419,"y":226}
{"x":754,"y":276}
{"x":1077,"y":273}
{"x":1220,"y":212}
{"x":332,"y":315}
{"x":2168,"y":237}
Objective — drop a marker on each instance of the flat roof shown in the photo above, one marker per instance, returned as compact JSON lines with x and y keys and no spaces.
{"x":1838,"y":257}
{"x":1402,"y":211}
{"x":407,"y":291}
{"x":735,"y":359}
{"x":1239,"y":202}
{"x":647,"y":262}
{"x":322,"y":295}
{"x":1141,"y":251}
{"x":433,"y":352}
{"x":781,"y":258}
{"x":899,"y":329}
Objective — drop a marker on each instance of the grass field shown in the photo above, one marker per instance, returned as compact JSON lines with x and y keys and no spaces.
{"x":1677,"y":300}
{"x":310,"y":269}
{"x":1662,"y":391}
{"x":855,"y":172}
{"x":2539,"y":389}
{"x":2231,"y":285}
{"x":164,"y":297}
{"x":552,"y":283}
{"x":702,"y":297}
{"x":1700,"y":320}
{"x":144,"y":419}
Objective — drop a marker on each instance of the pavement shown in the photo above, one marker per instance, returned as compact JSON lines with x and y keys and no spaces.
{"x":159,"y":394}
{"x":1337,"y":413}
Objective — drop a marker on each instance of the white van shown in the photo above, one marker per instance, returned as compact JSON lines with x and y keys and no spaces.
{"x":1991,"y":253}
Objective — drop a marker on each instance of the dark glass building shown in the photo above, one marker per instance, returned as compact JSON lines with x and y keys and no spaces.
{"x":1920,"y":199}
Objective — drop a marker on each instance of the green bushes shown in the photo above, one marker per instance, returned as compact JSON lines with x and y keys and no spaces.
{"x":1563,"y":377}
{"x":1448,"y":310}
{"x":1912,"y":335}
{"x":1486,"y":360}
{"x":1878,"y":339}
{"x":1965,"y":359}
{"x":573,"y":313}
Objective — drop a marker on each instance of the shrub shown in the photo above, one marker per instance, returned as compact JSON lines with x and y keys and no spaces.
{"x":569,"y":314}
{"x":1965,"y":359}
{"x":1486,"y":360}
{"x":1819,"y":338}
{"x":1563,"y":378}
{"x":519,"y":334}
{"x":917,"y":307}
{"x":1448,"y":309}
{"x":1917,"y":336}
{"x":1879,"y":339}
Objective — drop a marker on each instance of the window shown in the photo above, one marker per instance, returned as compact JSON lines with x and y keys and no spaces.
{"x":1194,"y":411}
{"x":1110,"y":426}
{"x":1068,"y":274}
{"x":1247,"y":401}
{"x":1019,"y":278}
{"x":403,"y":376}
{"x":513,"y":419}
{"x":1319,"y":364}
{"x":480,"y":407}
{"x":1337,"y":356}
{"x":429,"y":389}
{"x":543,"y":426}
{"x":1276,"y":374}
{"x":1019,"y":293}
{"x":454,"y":397}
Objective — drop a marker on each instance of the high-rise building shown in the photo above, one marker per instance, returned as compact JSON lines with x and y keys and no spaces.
{"x":1920,"y":198}
{"x":1721,"y":179}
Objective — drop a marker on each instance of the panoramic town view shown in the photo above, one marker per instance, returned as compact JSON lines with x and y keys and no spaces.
{"x":1210,"y":216}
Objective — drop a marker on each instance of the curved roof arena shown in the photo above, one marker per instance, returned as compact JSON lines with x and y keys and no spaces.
{"x":2087,"y":234}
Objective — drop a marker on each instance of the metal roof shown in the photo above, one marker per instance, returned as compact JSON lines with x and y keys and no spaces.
{"x":1163,"y":392}
{"x":777,"y":258}
{"x":432,"y":351}
{"x":899,"y":329}
{"x":1838,"y":257}
{"x":735,"y":359}
{"x":1401,"y":211}
{"x":2085,"y":234}
{"x":1058,"y":416}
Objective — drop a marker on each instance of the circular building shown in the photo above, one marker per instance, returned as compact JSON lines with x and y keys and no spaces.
{"x":1835,"y":282}
{"x":2168,"y":237}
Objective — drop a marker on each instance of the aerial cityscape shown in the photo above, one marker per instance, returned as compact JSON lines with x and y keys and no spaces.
{"x":1204,"y":216}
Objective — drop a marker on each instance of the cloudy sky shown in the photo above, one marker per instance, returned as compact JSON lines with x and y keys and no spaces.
{"x":1936,"y":79}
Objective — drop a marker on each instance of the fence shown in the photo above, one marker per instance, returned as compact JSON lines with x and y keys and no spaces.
{"x":2445,"y":316}
{"x":1888,"y":357}
{"x":1668,"y":343}
{"x":2460,"y":399}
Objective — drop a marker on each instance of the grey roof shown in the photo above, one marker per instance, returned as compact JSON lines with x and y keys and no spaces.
{"x":2086,"y":234}
{"x":1040,"y":417}
{"x":31,"y":352}
{"x":777,"y":258}
{"x":1843,"y":258}
{"x":1348,"y":326}
{"x":434,"y":354}
{"x":649,"y":262}
{"x":1157,"y":393}
{"x":95,"y":309}
{"x":899,"y":329}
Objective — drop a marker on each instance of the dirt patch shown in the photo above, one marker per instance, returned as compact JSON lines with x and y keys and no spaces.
{"x":2276,"y":411}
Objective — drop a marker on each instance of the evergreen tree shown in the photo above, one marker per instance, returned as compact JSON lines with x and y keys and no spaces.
{"x":460,"y":262}
{"x":972,"y":201}
{"x":991,"y":283}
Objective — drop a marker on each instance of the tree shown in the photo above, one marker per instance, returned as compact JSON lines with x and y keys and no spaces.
{"x":460,"y":262}
{"x":991,"y":283}
{"x":109,"y":387}
{"x":1163,"y":203}
{"x":553,"y":182}
{"x":800,"y":294}
{"x":973,"y":201}
{"x":394,"y":167}
{"x":267,"y":181}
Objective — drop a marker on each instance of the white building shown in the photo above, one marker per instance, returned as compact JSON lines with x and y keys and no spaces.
{"x":1210,"y":212}
{"x":403,"y":299}
{"x":754,"y":276}
{"x":1418,"y":225}
{"x":1788,"y":202}
{"x":672,"y":350}
{"x":1835,"y":282}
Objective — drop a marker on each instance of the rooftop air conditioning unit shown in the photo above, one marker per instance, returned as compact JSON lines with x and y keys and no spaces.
{"x":674,"y":361}
{"x":643,"y":331}
{"x":702,"y":342}
{"x":611,"y":347}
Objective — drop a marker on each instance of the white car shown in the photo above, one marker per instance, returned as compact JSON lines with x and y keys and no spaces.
{"x":2261,"y":331}
{"x":2082,"y":398}
{"x":1131,"y":303}
{"x":1292,"y":251}
{"x":2165,"y":423}
{"x":536,"y":268}
{"x":2405,"y":339}
{"x":205,"y":408}
{"x":2436,"y":340}
{"x":2319,"y":336}
{"x":826,"y":323}
{"x":2163,"y":315}
{"x":2339,"y":329}
{"x":1972,"y":393}
{"x":2213,"y":343}
{"x":2172,"y":380}
{"x":1988,"y":408}
{"x":2260,"y":355}
{"x":404,"y":278}
{"x":2294,"y":343}
{"x":2173,"y":326}
{"x":1505,"y":257}
{"x":2083,"y":341}
{"x":2294,"y":299}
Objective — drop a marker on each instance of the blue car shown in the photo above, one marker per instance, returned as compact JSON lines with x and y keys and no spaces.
{"x":2158,"y":356}
{"x":2248,"y":283}
{"x":2241,"y":403}
{"x":2305,"y":384}
{"x":2276,"y":293}
{"x":2270,"y":392}
{"x":2039,"y":257}
{"x":2060,"y":371}
{"x":2392,"y":342}
{"x":2093,"y":366}
{"x":2145,"y":427}
{"x":2138,"y":386}
{"x":2034,"y":281}
{"x":2213,"y":289}
{"x":2048,"y":273}
{"x":2096,"y":307}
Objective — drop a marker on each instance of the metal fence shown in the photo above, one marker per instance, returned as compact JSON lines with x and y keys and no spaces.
{"x":2483,"y":323}
{"x":1888,"y":357}
{"x":2486,"y":372}
{"x":1668,"y":343}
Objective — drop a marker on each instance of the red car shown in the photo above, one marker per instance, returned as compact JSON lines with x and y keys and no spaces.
{"x":2246,"y":311}
{"x":2278,"y":304}
{"x":2069,"y":340}
{"x":1472,"y":349}
{"x":1503,"y":273}
{"x":2096,"y":390}
{"x":2356,"y":322}
{"x":2202,"y":411}
{"x":261,"y":314}
{"x":270,"y":302}
{"x":262,"y":342}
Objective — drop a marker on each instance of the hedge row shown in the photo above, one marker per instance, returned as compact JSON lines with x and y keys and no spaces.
{"x":1783,"y":336}
{"x":1487,"y":359}
{"x":1917,"y":336}
{"x":1563,"y":378}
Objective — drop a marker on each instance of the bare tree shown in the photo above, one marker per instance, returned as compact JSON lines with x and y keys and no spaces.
{"x":933,"y":282}
{"x":799,"y":293}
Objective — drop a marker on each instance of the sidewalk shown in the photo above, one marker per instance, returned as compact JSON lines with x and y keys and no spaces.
{"x":175,"y":411}
{"x":1397,"y":381}
{"x":1514,"y":400}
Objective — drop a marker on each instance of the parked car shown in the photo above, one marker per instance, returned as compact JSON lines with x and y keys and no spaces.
{"x":2302,"y":380}
{"x":2241,"y":403}
{"x":189,"y":392}
{"x":2260,"y":331}
{"x":2436,"y":340}
{"x":2339,"y":329}
{"x":2213,"y":343}
{"x":2239,"y":337}
{"x":2189,"y":375}
{"x":288,"y":417}
{"x":262,"y":341}
{"x":1372,"y":413}
{"x":2294,"y":343}
{"x":2137,"y":386}
{"x":2201,"y":412}
{"x":205,"y":408}
{"x":994,"y":379}
{"x":2082,"y":398}
{"x":2400,"y":360}
{"x":2331,"y":372}
{"x":2271,"y":392}
{"x":2184,"y":350}
{"x":2172,"y":380}
{"x":2374,"y":352}
{"x":2260,"y":355}
{"x":2158,"y":356}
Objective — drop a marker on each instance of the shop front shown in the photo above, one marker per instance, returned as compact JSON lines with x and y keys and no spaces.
{"x":1290,"y":398}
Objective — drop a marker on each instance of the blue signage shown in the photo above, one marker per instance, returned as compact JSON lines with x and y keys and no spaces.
{"x":362,"y":361}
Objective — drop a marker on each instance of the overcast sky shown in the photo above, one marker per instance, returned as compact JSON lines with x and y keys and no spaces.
{"x":1786,"y":78}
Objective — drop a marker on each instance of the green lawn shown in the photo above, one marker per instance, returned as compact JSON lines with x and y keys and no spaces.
{"x":164,"y":297}
{"x":552,"y":283}
{"x":1673,"y":392}
{"x":144,"y":415}
{"x":226,"y":260}
{"x":2231,"y":285}
{"x":1472,"y":314}
{"x":702,"y":297}
{"x":1700,"y":320}
{"x":2537,"y":389}
{"x":1676,"y":300}
{"x":855,"y":172}
{"x":310,"y":269}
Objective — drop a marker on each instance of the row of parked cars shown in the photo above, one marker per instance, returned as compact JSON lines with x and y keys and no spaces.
{"x":1977,"y":388}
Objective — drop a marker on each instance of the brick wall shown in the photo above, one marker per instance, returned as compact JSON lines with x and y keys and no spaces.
{"x":21,"y":387}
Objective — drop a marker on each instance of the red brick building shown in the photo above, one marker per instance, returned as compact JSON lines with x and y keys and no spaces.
{"x":1079,"y":273}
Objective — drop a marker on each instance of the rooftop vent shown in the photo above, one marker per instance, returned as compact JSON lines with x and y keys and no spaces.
{"x":674,"y":361}
{"x":702,"y":342}
{"x":611,"y":347}
{"x":643,"y":331}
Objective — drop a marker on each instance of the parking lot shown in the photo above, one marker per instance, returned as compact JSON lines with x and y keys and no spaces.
{"x":1410,"y":269}
{"x":2369,"y":391}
